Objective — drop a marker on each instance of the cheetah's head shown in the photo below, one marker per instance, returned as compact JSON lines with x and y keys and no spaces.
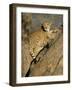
{"x":46,"y":26}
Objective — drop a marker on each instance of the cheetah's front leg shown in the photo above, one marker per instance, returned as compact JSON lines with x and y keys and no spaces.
{"x":34,"y":54}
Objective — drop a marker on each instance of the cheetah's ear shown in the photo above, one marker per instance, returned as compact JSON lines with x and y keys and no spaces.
{"x":50,"y":23}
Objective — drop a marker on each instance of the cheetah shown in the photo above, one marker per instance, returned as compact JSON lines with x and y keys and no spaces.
{"x":40,"y":38}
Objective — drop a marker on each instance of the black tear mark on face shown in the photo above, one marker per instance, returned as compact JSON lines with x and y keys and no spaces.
{"x":43,"y":28}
